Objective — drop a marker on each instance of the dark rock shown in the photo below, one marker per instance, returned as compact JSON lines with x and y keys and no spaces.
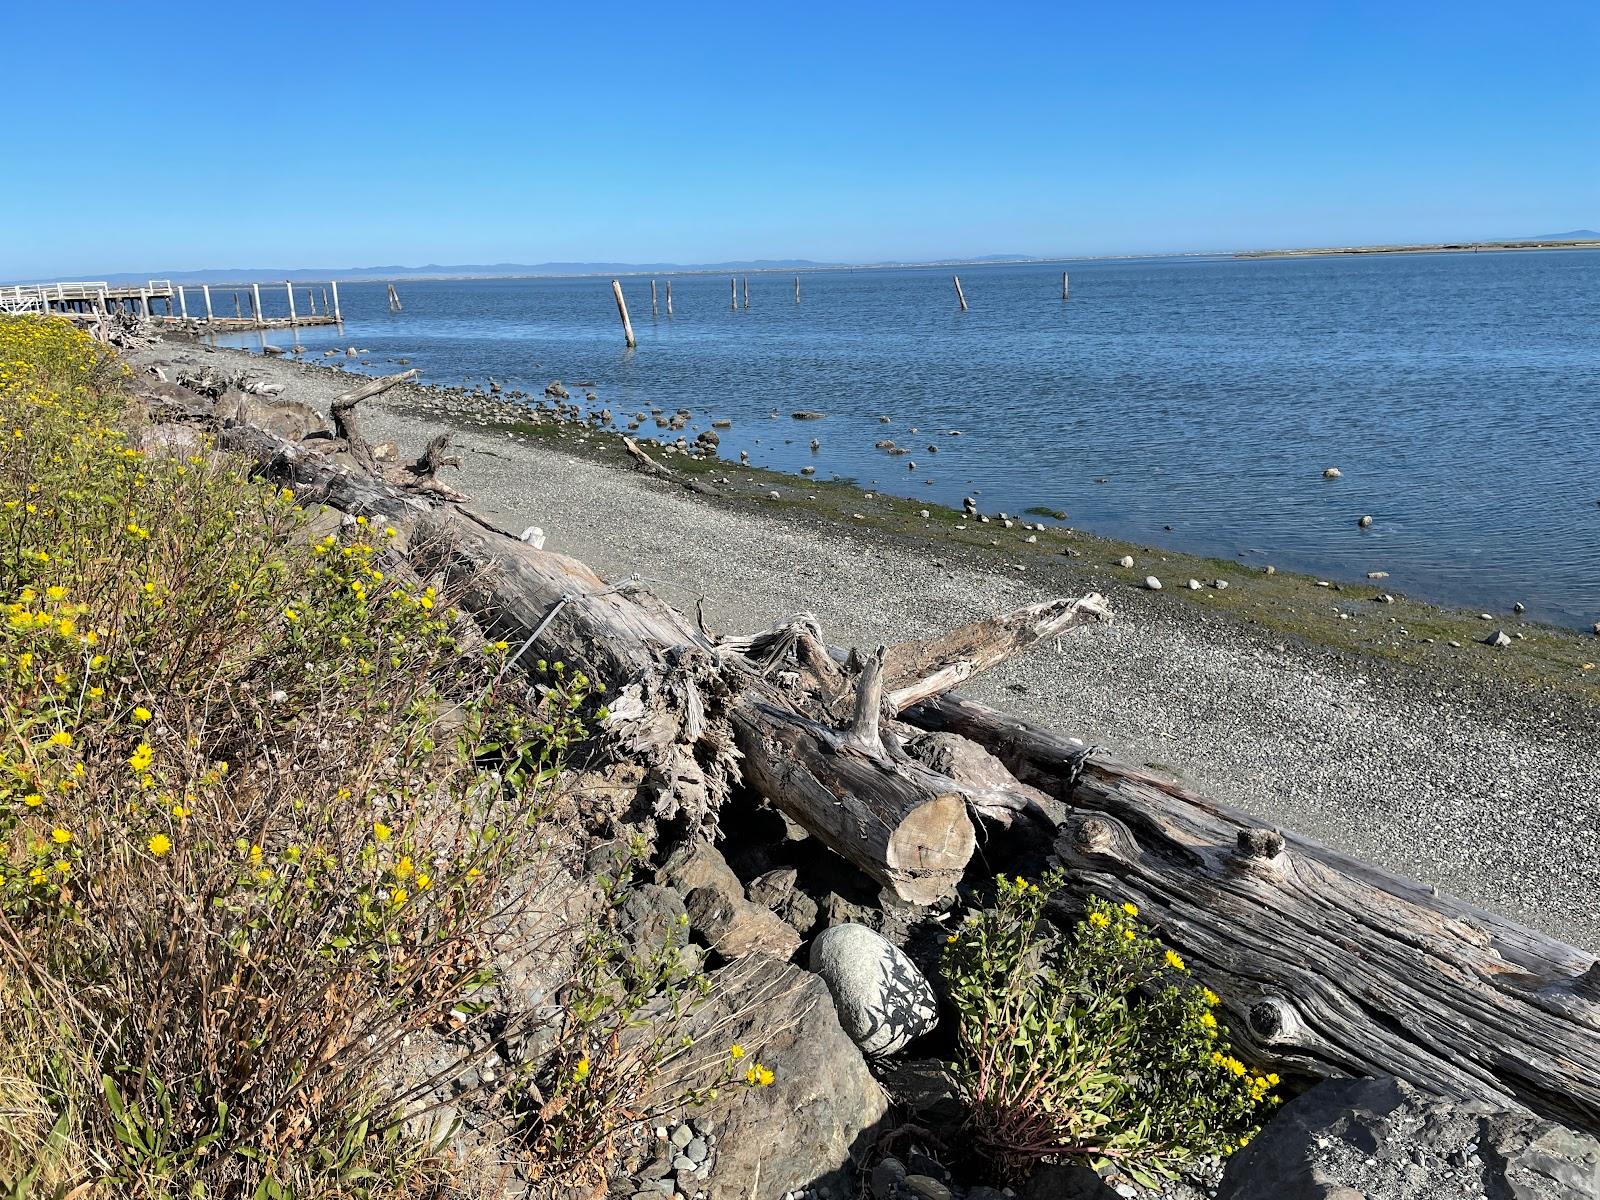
{"x":925,"y":1187}
{"x":649,"y":915}
{"x":925,"y":1090}
{"x":1056,"y":1181}
{"x":1375,"y":1137}
{"x":806,"y":414}
{"x":718,"y":910}
{"x":887,"y":1177}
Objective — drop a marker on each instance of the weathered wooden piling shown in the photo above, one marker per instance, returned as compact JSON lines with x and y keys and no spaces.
{"x":334,"y":284}
{"x":288,"y":290}
{"x":622,"y":311}
{"x":747,"y":291}
{"x":237,"y":311}
{"x":733,"y":294}
{"x":669,"y":297}
{"x":653,"y":309}
{"x":205,"y":290}
{"x":797,"y":289}
{"x":1063,"y":285}
{"x":960,"y":295}
{"x":183,"y":303}
{"x":255,"y":301}
{"x":394,"y":299}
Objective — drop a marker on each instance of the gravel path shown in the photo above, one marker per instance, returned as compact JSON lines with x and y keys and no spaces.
{"x":1494,"y":796}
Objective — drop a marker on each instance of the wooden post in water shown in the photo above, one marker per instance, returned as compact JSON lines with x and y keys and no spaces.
{"x":733,"y":290}
{"x":797,"y":289}
{"x":335,"y":285}
{"x":311,"y":302}
{"x":205,"y":290}
{"x":622,"y":311}
{"x":144,"y":302}
{"x":747,"y":291}
{"x":960,"y":295}
{"x":289,"y":291}
{"x":237,"y":311}
{"x":1063,"y":285}
{"x":669,"y":297}
{"x":255,"y":303}
{"x":394,"y":299}
{"x":183,"y":303}
{"x":653,"y":309}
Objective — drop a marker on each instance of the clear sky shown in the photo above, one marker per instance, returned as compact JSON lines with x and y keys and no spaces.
{"x":173,"y":136}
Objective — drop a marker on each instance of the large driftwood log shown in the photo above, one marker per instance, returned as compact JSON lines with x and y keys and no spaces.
{"x":1326,"y":965}
{"x":699,"y":717}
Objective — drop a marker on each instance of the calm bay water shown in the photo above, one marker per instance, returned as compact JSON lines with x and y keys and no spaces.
{"x":1191,"y":403}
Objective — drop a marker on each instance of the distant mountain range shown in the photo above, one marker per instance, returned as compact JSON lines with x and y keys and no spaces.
{"x":1571,"y":235}
{"x":501,"y":270}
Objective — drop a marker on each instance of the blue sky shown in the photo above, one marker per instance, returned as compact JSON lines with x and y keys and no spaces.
{"x":173,"y":136}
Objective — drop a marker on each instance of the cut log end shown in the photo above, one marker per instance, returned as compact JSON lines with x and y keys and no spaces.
{"x":930,"y":849}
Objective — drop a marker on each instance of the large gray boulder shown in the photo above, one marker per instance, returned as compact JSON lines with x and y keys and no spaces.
{"x":883,"y":1001}
{"x":820,"y":1113}
{"x":1382,"y":1138}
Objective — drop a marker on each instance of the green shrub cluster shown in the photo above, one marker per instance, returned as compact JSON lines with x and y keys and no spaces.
{"x":1093,"y":1044}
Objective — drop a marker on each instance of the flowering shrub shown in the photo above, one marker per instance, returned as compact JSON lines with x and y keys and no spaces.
{"x":254,"y":801}
{"x":1095,"y":1044}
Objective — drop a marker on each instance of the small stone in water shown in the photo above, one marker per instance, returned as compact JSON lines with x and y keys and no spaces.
{"x":1365,"y":522}
{"x":1331,"y":473}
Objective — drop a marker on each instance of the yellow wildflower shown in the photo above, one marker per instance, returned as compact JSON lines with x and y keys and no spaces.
{"x":1175,"y":962}
{"x":142,"y":714}
{"x":1131,"y":909}
{"x":159,"y":844}
{"x":758,"y":1076}
{"x":381,"y":831}
{"x":736,"y":1052}
{"x":33,"y":799}
{"x":1099,"y":920}
{"x":60,"y":836}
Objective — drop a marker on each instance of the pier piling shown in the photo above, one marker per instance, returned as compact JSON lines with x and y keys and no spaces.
{"x":288,"y":289}
{"x":747,"y":291}
{"x":1063,"y":285}
{"x":653,"y":309}
{"x":669,"y":297}
{"x":960,"y":295}
{"x":255,"y":301}
{"x":622,"y":311}
{"x":334,"y":284}
{"x":733,"y":292}
{"x":797,"y":289}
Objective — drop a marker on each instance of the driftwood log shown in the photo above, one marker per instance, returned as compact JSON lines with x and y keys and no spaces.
{"x":1326,"y":965}
{"x":699,"y":714}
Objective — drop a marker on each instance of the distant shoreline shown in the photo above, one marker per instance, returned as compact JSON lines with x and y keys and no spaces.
{"x":1423,"y":248}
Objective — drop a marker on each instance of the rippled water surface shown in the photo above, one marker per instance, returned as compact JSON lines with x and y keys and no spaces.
{"x":1191,"y":403}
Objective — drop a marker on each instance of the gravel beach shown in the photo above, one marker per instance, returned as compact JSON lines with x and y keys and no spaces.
{"x":1489,"y":792}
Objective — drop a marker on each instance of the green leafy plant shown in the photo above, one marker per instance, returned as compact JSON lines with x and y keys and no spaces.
{"x":1093,"y":1044}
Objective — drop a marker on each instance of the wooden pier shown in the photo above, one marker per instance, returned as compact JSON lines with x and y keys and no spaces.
{"x":166,"y":303}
